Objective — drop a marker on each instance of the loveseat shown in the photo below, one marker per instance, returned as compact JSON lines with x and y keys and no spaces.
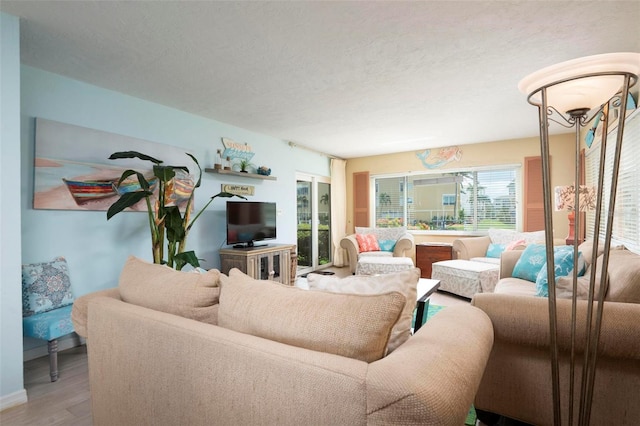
{"x":517,"y":380}
{"x":155,"y":364}
{"x":487,"y":248}
{"x":401,"y":244}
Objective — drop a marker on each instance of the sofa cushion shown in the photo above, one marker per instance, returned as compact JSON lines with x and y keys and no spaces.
{"x":405,"y":282}
{"x":531,"y":261}
{"x":515,"y":287}
{"x":563,"y":266}
{"x":495,"y":250}
{"x":350,"y":325}
{"x":624,"y":276}
{"x":158,"y":287}
{"x":367,"y":242}
{"x":386,"y":237}
{"x":516,"y":245}
{"x":45,"y":286}
{"x":507,"y":236}
{"x":387,"y":245}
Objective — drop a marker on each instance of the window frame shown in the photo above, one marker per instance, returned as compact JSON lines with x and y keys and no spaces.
{"x":516,"y":168}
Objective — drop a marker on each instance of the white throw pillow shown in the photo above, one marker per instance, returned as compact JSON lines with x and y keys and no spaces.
{"x":405,"y":282}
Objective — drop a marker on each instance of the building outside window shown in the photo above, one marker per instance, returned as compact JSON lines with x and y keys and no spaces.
{"x":471,"y":200}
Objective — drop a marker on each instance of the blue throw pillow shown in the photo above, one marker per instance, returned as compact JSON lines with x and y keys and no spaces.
{"x":387,"y":245}
{"x":563,"y":264}
{"x":495,"y":250}
{"x":530,"y":262}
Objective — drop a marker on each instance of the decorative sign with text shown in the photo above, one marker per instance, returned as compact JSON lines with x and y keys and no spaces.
{"x":238,"y":189}
{"x":234,"y":149}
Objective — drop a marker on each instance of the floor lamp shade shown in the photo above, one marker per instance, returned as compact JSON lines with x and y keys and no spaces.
{"x":584,"y":83}
{"x":572,"y":94}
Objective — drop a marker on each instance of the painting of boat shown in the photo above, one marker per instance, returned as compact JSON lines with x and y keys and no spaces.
{"x":132,"y":185}
{"x":84,"y":191}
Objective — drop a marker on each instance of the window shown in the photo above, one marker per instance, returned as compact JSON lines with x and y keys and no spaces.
{"x":459,"y":201}
{"x":448,"y":199}
{"x":314,"y":221}
{"x":626,"y":229}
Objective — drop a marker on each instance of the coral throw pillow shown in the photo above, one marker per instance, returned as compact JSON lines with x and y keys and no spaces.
{"x":367,"y":242}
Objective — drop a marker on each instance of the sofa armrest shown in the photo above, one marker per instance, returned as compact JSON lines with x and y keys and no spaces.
{"x":517,"y":377}
{"x":524,"y":321}
{"x":466,"y":248}
{"x":404,"y":246}
{"x":508,"y":260}
{"x":350,"y":244}
{"x":79,"y":312}
{"x":434,"y":376}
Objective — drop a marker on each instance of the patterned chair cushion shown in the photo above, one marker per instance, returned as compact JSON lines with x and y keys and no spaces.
{"x":45,"y":286}
{"x":49,"y":325}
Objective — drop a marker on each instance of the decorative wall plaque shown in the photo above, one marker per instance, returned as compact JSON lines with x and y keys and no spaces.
{"x":238,"y":189}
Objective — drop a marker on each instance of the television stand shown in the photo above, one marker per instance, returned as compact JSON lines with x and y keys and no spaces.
{"x":264,"y":262}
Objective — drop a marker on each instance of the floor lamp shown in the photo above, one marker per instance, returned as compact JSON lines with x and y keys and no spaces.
{"x":572,"y":93}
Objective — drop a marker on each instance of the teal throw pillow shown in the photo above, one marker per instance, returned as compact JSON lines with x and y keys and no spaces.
{"x":495,"y":250}
{"x":387,"y":245}
{"x":531,"y":261}
{"x":563,"y":264}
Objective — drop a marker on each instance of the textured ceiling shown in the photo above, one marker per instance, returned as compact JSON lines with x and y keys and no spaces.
{"x":346,"y":78}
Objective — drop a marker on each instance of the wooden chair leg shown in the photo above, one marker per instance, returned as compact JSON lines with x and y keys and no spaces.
{"x":52,"y":345}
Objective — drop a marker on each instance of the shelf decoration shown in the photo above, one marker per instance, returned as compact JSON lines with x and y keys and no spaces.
{"x":237,"y":150}
{"x":238,"y":189}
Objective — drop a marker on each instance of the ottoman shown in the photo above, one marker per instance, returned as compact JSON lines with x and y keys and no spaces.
{"x":372,"y":265}
{"x":464,"y":277}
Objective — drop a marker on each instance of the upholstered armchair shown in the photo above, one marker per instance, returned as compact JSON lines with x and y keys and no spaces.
{"x":402,"y":246}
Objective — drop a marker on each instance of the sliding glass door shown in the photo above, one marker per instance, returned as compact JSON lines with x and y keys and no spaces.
{"x":314,"y":222}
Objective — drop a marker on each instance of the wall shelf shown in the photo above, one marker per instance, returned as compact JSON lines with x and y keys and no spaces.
{"x":241,"y":174}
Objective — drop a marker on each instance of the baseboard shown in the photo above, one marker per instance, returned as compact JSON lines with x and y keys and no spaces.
{"x":13,"y":399}
{"x":67,"y":342}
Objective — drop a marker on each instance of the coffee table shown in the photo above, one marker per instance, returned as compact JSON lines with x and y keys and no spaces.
{"x":426,"y":287}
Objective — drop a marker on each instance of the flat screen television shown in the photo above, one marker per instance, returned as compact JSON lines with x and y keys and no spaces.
{"x":250,"y":221}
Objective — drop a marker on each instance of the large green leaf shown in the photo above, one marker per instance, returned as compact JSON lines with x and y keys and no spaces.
{"x":227,"y":195}
{"x":185,"y":257}
{"x":125,"y":201}
{"x":174,"y":224}
{"x":197,"y":185}
{"x":133,"y":154}
{"x":164,"y":173}
{"x":141,"y":179}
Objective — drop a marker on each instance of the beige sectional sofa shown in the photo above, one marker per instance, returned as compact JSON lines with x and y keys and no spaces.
{"x":517,"y":380}
{"x":160,"y":366}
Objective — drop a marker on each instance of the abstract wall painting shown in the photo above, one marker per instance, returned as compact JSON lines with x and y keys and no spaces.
{"x":438,"y":157}
{"x":73,"y":170}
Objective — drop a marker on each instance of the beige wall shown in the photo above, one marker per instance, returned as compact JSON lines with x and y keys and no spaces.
{"x":483,"y":154}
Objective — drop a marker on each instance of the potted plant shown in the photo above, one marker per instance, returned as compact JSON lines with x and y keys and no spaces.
{"x":165,"y":218}
{"x":244,"y":165}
